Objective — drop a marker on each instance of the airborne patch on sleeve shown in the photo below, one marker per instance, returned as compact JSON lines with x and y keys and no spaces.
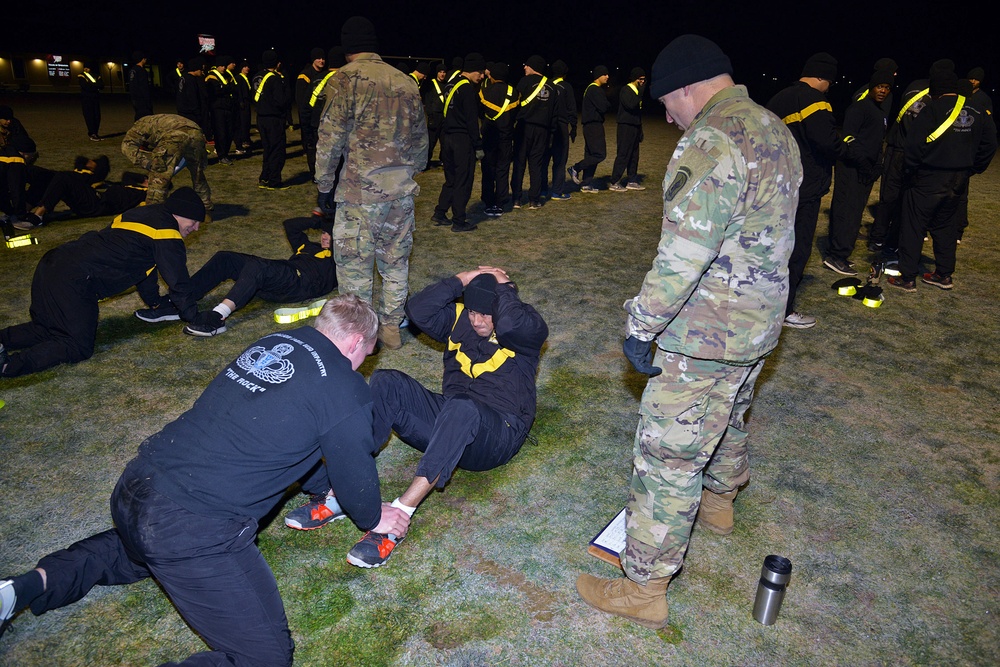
{"x":695,"y":166}
{"x":676,"y":185}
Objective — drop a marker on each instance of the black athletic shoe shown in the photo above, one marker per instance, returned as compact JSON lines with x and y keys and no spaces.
{"x":372,"y":550}
{"x":167,"y":313}
{"x":840,"y":266}
{"x":440,"y":219}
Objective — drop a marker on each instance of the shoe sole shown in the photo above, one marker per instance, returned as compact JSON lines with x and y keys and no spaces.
{"x":298,"y":526}
{"x":833,"y":268}
{"x":360,"y":563}
{"x":908,"y":290}
{"x":798,"y":326}
{"x":938,"y":285}
{"x":163,"y":318}
{"x":204,"y":334}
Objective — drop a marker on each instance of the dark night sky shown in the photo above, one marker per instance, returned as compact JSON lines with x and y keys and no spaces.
{"x":582,"y":33}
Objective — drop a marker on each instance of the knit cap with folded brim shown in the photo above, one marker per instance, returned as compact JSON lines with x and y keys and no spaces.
{"x":186,"y":203}
{"x":358,"y":36}
{"x":687,"y":59}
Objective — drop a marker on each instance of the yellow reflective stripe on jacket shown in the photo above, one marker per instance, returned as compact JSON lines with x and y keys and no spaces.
{"x":800,"y":116}
{"x":304,"y":78}
{"x":959,"y":105}
{"x":541,"y":84}
{"x":910,"y":102}
{"x":465,"y":363}
{"x":146,"y":230}
{"x":635,"y":89}
{"x":318,"y":89}
{"x":437,"y":87}
{"x":458,"y":85}
{"x":260,"y":88}
{"x":507,"y":104}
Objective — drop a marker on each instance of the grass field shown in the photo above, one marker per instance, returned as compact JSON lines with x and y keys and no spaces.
{"x":874,"y":439}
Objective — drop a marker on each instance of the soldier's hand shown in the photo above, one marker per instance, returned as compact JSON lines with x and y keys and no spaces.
{"x":480,"y":154}
{"x":326,"y":204}
{"x":572,"y":133}
{"x":640,"y":353}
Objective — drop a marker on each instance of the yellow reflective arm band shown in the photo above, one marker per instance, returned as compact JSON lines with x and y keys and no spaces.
{"x":146,"y":230}
{"x":800,"y":116}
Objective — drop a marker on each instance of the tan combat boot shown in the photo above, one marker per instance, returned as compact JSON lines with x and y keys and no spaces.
{"x":716,"y":511}
{"x":389,"y":335}
{"x":645,"y":605}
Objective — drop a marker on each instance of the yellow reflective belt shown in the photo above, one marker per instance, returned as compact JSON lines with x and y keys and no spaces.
{"x":260,"y":88}
{"x":465,"y":363}
{"x":146,"y":230}
{"x":800,"y":116}
{"x":318,"y":90}
{"x":534,"y":93}
{"x":218,"y":77}
{"x":21,"y":241}
{"x":910,"y":102}
{"x":289,"y":315}
{"x":12,"y":160}
{"x":179,"y":72}
{"x":959,"y":105}
{"x":415,"y":79}
{"x":507,"y":105}
{"x":245,"y":79}
{"x":862,"y":96}
{"x":458,"y":85}
{"x":437,"y":87}
{"x":89,"y":77}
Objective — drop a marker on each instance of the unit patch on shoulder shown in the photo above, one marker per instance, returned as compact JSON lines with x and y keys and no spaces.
{"x":677,"y":185}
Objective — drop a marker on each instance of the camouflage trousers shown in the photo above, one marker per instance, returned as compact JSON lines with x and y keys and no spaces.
{"x":370,"y":236}
{"x":163,"y":159}
{"x":690,"y":435}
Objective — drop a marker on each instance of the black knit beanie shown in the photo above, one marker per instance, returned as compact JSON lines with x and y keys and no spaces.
{"x":821,"y":66}
{"x":186,"y":203}
{"x":358,"y":36}
{"x":480,"y":293}
{"x":686,"y":60}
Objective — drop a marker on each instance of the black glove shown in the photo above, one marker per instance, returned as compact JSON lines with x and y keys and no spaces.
{"x":210,"y":318}
{"x":326,"y":204}
{"x":640,"y":353}
{"x":572,"y":133}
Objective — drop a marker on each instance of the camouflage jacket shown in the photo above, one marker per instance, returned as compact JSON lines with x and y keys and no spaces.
{"x":719,"y":283}
{"x":375,"y":119}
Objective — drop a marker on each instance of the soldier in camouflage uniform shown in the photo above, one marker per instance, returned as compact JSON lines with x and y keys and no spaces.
{"x":163,"y":144}
{"x":714,"y":303}
{"x":374,"y":119}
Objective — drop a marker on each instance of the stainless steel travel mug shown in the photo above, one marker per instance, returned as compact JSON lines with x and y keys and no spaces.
{"x":774,"y":578}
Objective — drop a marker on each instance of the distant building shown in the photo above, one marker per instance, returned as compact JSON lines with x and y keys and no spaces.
{"x":56,"y":73}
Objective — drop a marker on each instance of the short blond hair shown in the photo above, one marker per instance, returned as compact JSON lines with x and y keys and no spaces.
{"x":345,"y":315}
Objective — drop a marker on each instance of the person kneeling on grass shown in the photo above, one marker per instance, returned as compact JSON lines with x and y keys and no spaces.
{"x":187,"y":508}
{"x":486,"y":408}
{"x":310,"y":273}
{"x":137,"y":248}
